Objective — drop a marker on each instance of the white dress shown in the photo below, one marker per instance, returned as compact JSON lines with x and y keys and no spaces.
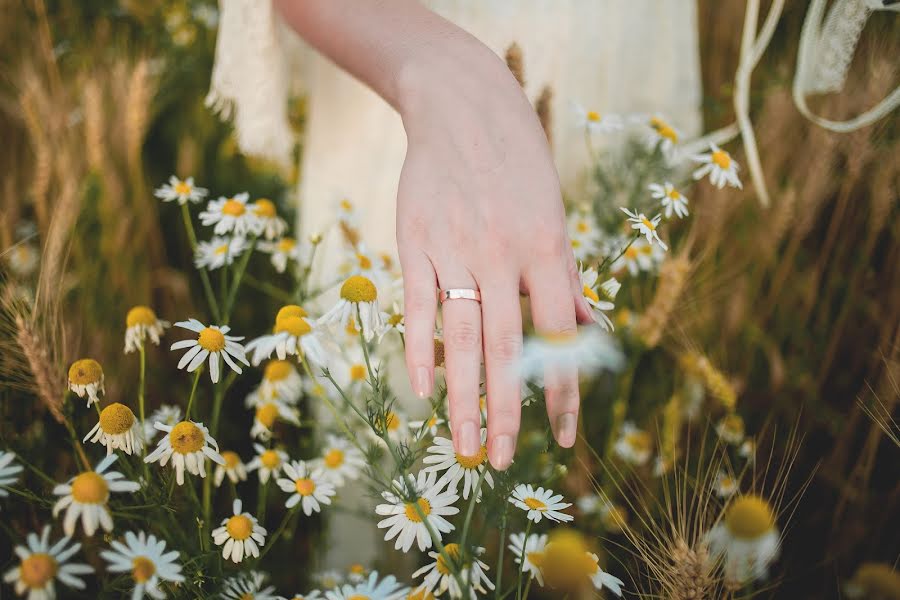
{"x":612,"y":56}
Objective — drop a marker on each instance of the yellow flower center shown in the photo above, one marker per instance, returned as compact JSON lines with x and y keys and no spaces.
{"x":395,"y":320}
{"x":589,"y":293}
{"x":211,"y":339}
{"x":358,"y":372}
{"x":357,"y":569}
{"x":721,"y":159}
{"x":359,"y":289}
{"x":664,"y":129}
{"x":576,"y":243}
{"x":264,"y":208}
{"x":749,"y":517}
{"x":270,"y":459}
{"x":37,"y":570}
{"x":233,"y":208}
{"x":359,"y":597}
{"x":85,"y":372}
{"x":239,"y":527}
{"x":140,"y":315}
{"x":472,"y":462}
{"x":639,"y":441}
{"x":90,"y":488}
{"x":116,"y":419}
{"x":392,"y":421}
{"x":182,"y":188}
{"x":247,"y":596}
{"x":278,"y":370}
{"x":452,"y":550}
{"x":647,"y":223}
{"x":565,"y":561}
{"x":296,"y":326}
{"x":305,"y":486}
{"x":286,"y":244}
{"x":582,"y":227}
{"x":421,"y":594}
{"x":364,"y":261}
{"x":334,"y":458}
{"x":412,"y":514}
{"x":878,"y":580}
{"x":290,"y":310}
{"x":186,"y":438}
{"x":223,"y":249}
{"x":142,"y":569}
{"x":266,"y":414}
{"x":346,"y":205}
{"x":631,"y":252}
{"x":232,"y":460}
{"x":593,"y":116}
{"x":535,"y":504}
{"x":733,"y":424}
{"x":674,"y":194}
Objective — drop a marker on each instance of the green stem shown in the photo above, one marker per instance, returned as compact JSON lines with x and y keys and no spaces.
{"x":527,"y":586}
{"x":498,"y":581}
{"x":187,"y":412}
{"x":204,"y":276}
{"x":365,"y":346}
{"x":238,"y":276}
{"x":261,"y":501}
{"x":271,"y":541}
{"x":471,"y":509}
{"x":607,"y":262}
{"x":522,"y":560}
{"x":268,"y":288}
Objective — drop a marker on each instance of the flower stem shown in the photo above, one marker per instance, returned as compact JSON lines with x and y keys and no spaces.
{"x":522,"y":560}
{"x":261,"y":501}
{"x":204,"y":276}
{"x":607,"y":261}
{"x":271,"y":541}
{"x":498,"y":581}
{"x":365,"y":346}
{"x":141,"y":381}
{"x":187,"y":412}
{"x":238,"y":276}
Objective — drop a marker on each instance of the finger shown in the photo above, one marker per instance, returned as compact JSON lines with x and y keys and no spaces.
{"x":420,"y":310}
{"x":462,"y":359}
{"x":500,"y":311}
{"x":553,"y":314}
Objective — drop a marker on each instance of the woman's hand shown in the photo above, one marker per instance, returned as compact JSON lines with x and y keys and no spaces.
{"x":479,"y":207}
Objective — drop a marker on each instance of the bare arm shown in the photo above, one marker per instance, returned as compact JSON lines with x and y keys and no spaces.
{"x":479,"y":206}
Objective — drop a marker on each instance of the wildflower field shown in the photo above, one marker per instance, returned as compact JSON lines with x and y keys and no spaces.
{"x":188,"y":411}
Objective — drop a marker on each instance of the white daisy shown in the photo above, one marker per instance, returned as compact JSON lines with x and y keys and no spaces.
{"x":86,"y":495}
{"x":293,"y":335}
{"x":41,"y":564}
{"x":145,"y":558}
{"x":340,"y":460}
{"x":592,"y":294}
{"x":141,"y":323}
{"x":634,"y":446}
{"x":346,"y":212}
{"x":721,"y":168}
{"x":439,"y":575}
{"x":638,"y":256}
{"x":671,"y":199}
{"x":307,"y":486}
{"x":747,"y":539}
{"x":234,"y":468}
{"x":527,"y":549}
{"x":241,"y":535}
{"x":468,"y":469}
{"x":310,"y":595}
{"x":372,"y":589}
{"x":86,"y":379}
{"x":167,"y":414}
{"x":182,"y":190}
{"x":268,"y":223}
{"x":268,"y":461}
{"x":600,"y":578}
{"x":646,"y":227}
{"x":726,"y":484}
{"x":748,"y":450}
{"x":117,"y":429}
{"x":284,"y":250}
{"x":731,"y":429}
{"x":211,"y":342}
{"x":218,"y":252}
{"x":269,"y":411}
{"x":596,"y":122}
{"x":425,"y":427}
{"x":230,"y":215}
{"x":663,"y":135}
{"x":424,"y":497}
{"x":248,"y":586}
{"x":330,"y":578}
{"x":281,"y":378}
{"x":188,"y":444}
{"x":357,"y":292}
{"x":540,"y":503}
{"x":23,"y":258}
{"x":584,"y":234}
{"x":357,"y":573}
{"x":9,"y":471}
{"x":590,"y":350}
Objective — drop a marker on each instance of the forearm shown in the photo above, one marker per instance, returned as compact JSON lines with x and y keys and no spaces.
{"x":390,"y":45}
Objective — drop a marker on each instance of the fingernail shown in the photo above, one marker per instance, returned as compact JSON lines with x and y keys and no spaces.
{"x":566,"y":424}
{"x":502,"y":449}
{"x":469,"y":439}
{"x":423,"y":382}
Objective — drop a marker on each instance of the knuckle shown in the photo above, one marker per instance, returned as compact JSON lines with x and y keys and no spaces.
{"x":565,"y":393}
{"x":418,"y":303}
{"x":464,"y":336}
{"x":551,"y":246}
{"x":505,"y":347}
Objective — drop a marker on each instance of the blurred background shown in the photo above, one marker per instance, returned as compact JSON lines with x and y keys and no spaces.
{"x":798,"y":305}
